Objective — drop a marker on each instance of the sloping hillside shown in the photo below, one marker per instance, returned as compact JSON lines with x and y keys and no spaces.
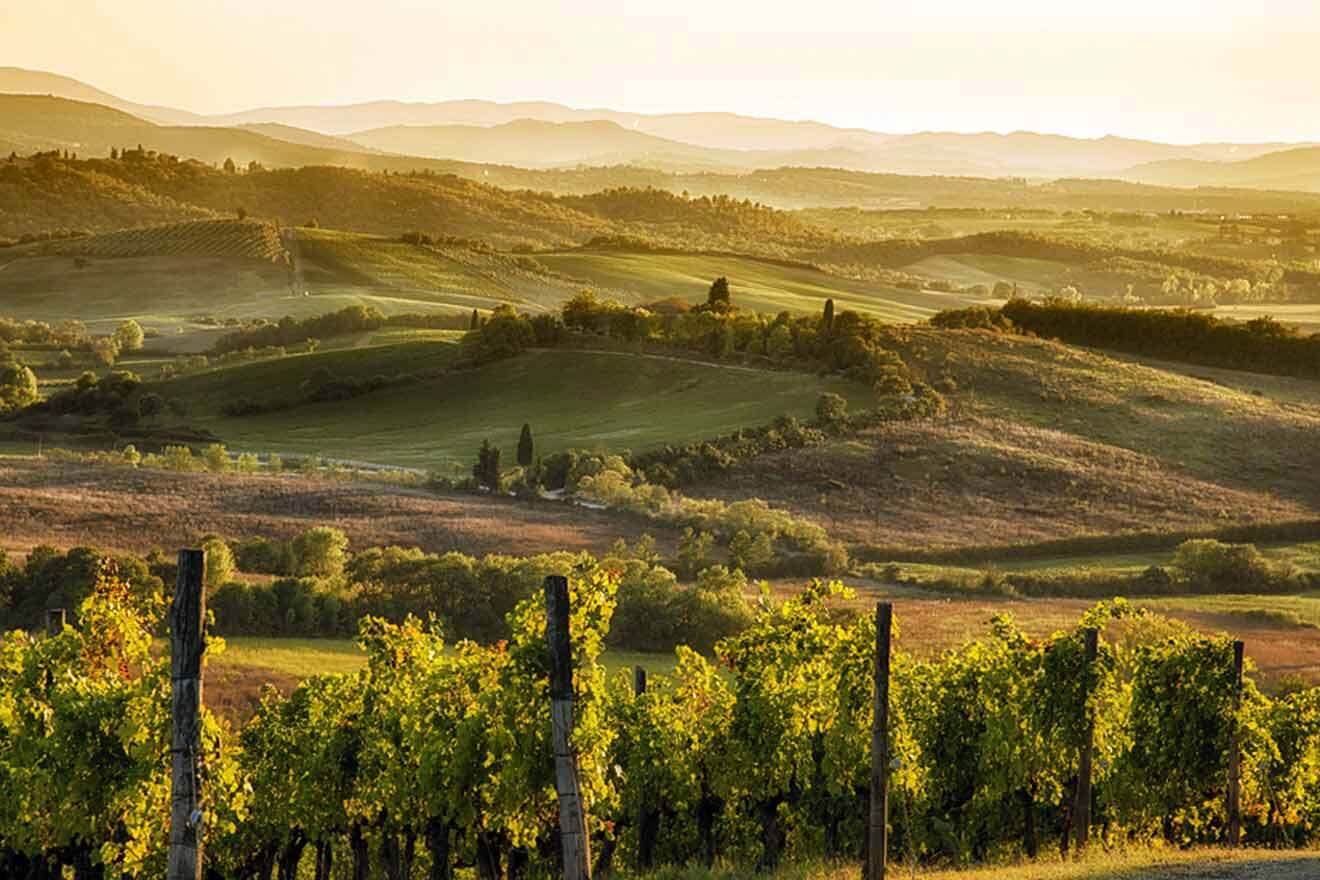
{"x":1048,"y":441}
{"x":533,"y":143}
{"x":47,"y":195}
{"x":454,"y":274}
{"x":50,"y":192}
{"x":239,"y":239}
{"x":1297,"y":169}
{"x":648,"y":402}
{"x":643,"y":277}
{"x":18,"y":81}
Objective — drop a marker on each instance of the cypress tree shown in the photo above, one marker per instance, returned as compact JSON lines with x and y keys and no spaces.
{"x":828,"y":320}
{"x":719,"y":299}
{"x":525,"y":447}
{"x":476,"y":320}
{"x":487,"y":469}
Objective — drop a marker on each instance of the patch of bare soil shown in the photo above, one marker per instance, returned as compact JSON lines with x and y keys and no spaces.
{"x":975,"y":480}
{"x":68,"y":505}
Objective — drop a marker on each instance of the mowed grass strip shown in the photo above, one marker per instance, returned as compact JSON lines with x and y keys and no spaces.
{"x":302,"y":658}
{"x":757,"y":285}
{"x":571,"y":399}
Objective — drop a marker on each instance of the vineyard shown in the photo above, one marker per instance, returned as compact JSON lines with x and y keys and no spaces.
{"x":436,"y":757}
{"x":247,"y":239}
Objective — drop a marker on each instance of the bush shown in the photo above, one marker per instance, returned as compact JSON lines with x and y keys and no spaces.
{"x":1213,"y":566}
{"x":320,"y":552}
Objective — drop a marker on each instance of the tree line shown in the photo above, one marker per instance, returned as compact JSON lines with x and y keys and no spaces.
{"x":1261,"y":345}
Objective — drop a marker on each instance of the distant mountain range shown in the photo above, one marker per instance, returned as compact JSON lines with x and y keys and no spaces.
{"x":394,"y":135}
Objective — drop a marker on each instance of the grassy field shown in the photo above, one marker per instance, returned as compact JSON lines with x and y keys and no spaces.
{"x":408,"y":277}
{"x":1032,"y":276}
{"x":305,"y":657}
{"x":757,"y":285}
{"x":282,"y":378}
{"x":571,"y":399}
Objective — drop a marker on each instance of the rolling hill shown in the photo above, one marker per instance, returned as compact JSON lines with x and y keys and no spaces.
{"x":18,"y":81}
{"x":1297,"y":169}
{"x":650,"y":401}
{"x":729,"y":140}
{"x":168,"y":276}
{"x":535,"y":143}
{"x":758,"y":285}
{"x":1048,"y":441}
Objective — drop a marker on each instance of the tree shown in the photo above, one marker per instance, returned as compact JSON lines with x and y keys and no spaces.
{"x":693,"y":550}
{"x":150,"y":404}
{"x":230,"y":167}
{"x":241,"y":212}
{"x":219,"y":562}
{"x":525,"y":447}
{"x":827,"y":320}
{"x":129,"y":336}
{"x":719,"y":300}
{"x":216,"y":458}
{"x":105,"y":350}
{"x":320,"y":552}
{"x":476,"y":320}
{"x":487,"y":469}
{"x":831,"y":409}
{"x":18,"y":387}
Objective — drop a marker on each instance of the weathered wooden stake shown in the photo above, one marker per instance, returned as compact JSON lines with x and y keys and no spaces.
{"x":187,"y":644}
{"x":575,"y":844}
{"x":1082,"y":806}
{"x":877,"y":838}
{"x":55,"y":618}
{"x":648,"y":819}
{"x":1235,"y":753}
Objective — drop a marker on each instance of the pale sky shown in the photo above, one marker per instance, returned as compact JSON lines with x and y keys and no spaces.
{"x":1176,"y":70}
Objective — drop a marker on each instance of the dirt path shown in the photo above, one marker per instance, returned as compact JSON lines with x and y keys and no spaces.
{"x":1271,"y":869}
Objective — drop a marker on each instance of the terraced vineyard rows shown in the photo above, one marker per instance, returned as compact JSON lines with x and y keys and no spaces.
{"x":251,"y":239}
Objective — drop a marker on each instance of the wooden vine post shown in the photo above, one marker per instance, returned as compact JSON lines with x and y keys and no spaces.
{"x":1082,"y":805}
{"x":648,"y":817}
{"x":1235,"y":753}
{"x":187,"y":644}
{"x":877,"y":827}
{"x":55,"y":619}
{"x":575,"y":845}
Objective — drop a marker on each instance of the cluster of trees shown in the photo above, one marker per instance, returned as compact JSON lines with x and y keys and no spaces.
{"x":48,"y":578}
{"x":435,"y":756}
{"x":18,"y":385}
{"x":1262,"y":345}
{"x":317,"y":587}
{"x":119,"y":397}
{"x":693,"y":462}
{"x":1199,"y":566}
{"x":762,"y":539}
{"x":70,"y":336}
{"x":848,"y":344}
